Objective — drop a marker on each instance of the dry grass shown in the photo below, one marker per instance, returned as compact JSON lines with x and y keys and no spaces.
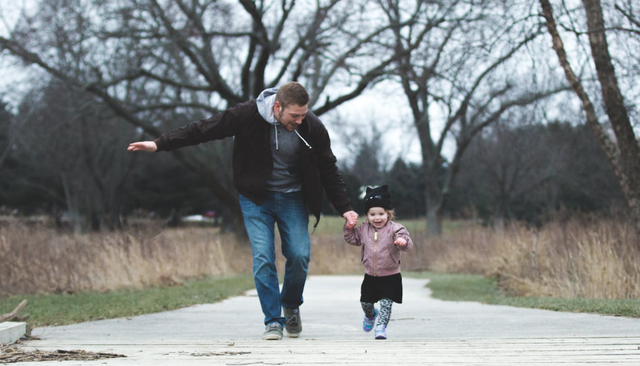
{"x":574,"y":259}
{"x":585,"y":259}
{"x":571,"y":260}
{"x":38,"y":259}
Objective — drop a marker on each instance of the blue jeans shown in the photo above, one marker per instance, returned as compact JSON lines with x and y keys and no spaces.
{"x":290,"y":212}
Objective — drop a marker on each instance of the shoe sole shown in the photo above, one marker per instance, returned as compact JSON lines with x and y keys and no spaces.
{"x":272,"y":337}
{"x":292,"y":335}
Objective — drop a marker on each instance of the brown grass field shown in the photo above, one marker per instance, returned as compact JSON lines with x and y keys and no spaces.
{"x":578,"y":258}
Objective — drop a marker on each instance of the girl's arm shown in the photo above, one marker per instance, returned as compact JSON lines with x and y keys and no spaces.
{"x":402,"y":239}
{"x":352,"y":236}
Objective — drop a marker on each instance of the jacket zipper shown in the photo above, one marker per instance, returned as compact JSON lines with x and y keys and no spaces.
{"x":375,"y":250}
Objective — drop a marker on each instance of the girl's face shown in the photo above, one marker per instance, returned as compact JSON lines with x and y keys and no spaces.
{"x":377,"y":217}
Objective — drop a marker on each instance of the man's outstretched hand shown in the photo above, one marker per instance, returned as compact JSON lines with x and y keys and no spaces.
{"x":352,"y":219}
{"x":149,"y":146}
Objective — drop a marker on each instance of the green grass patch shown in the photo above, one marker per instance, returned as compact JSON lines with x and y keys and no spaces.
{"x":466,"y":287}
{"x":64,"y":309}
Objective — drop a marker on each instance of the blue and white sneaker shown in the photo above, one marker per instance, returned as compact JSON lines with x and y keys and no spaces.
{"x":272,"y":332}
{"x":367,"y":323}
{"x":381,"y":332}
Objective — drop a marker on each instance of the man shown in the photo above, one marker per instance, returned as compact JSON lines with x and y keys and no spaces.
{"x":282,"y":160}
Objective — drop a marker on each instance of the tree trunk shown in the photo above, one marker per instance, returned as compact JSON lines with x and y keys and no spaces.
{"x":624,"y":154}
{"x":434,"y":222}
{"x":616,"y":110}
{"x":499,"y":214}
{"x":433,"y":191}
{"x":234,"y":222}
{"x":434,"y":218}
{"x":78,"y":221}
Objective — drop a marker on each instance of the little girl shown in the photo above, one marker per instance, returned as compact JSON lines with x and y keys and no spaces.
{"x":382,"y":240}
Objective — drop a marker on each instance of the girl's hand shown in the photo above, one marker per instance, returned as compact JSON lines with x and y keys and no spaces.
{"x":352,"y":219}
{"x":400,"y":243}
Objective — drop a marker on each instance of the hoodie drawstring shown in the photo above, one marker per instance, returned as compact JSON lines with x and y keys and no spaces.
{"x":297,"y":133}
{"x":303,"y":140}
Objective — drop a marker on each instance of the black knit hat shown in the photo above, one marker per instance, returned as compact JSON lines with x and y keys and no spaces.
{"x":377,"y":197}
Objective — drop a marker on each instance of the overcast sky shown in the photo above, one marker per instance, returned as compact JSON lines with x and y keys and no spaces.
{"x":12,"y":78}
{"x":384,"y":106}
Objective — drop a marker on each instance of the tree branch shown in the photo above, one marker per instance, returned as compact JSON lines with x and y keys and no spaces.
{"x":629,"y":17}
{"x":172,"y":106}
{"x":609,"y":147}
{"x":364,"y":82}
{"x":211,"y":73}
{"x":15,"y":313}
{"x":465,"y":103}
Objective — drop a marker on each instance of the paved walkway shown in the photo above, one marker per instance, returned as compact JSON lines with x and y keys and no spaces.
{"x":422,"y":331}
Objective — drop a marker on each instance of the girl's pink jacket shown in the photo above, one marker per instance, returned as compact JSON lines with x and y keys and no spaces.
{"x":379,"y":255}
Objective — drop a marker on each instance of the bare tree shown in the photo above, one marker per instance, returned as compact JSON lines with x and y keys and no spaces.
{"x":368,"y":157}
{"x":5,"y":143}
{"x":622,"y":148}
{"x":512,"y":160}
{"x":455,"y":67}
{"x":72,"y":142}
{"x":150,"y":59}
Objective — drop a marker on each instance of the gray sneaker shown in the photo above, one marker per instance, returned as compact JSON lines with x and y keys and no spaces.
{"x":272,"y":332}
{"x":293,"y":324}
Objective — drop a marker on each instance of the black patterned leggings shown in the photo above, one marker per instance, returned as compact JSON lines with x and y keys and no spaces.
{"x":385,"y":311}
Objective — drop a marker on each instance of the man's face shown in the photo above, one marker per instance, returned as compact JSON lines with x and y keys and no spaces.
{"x":290,"y":117}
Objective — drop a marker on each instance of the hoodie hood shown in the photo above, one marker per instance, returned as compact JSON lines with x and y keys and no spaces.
{"x":265,"y":102}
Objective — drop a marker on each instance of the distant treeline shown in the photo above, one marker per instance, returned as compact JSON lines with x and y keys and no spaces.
{"x":530,"y":172}
{"x":64,"y":154}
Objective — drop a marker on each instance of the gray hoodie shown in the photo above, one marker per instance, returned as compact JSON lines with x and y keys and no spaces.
{"x":285,"y":148}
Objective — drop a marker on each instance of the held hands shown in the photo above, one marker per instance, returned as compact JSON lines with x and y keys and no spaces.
{"x":352,"y":219}
{"x":400,"y":242}
{"x":149,"y":146}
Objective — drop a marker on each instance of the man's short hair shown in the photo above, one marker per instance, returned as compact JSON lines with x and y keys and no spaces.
{"x":292,"y":93}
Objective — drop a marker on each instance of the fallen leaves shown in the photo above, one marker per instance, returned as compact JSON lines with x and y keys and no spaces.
{"x":13,"y":353}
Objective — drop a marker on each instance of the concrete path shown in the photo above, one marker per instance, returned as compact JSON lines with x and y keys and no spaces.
{"x":423,"y":331}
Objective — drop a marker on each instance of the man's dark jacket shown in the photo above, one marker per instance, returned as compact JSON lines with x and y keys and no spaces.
{"x":252,"y":160}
